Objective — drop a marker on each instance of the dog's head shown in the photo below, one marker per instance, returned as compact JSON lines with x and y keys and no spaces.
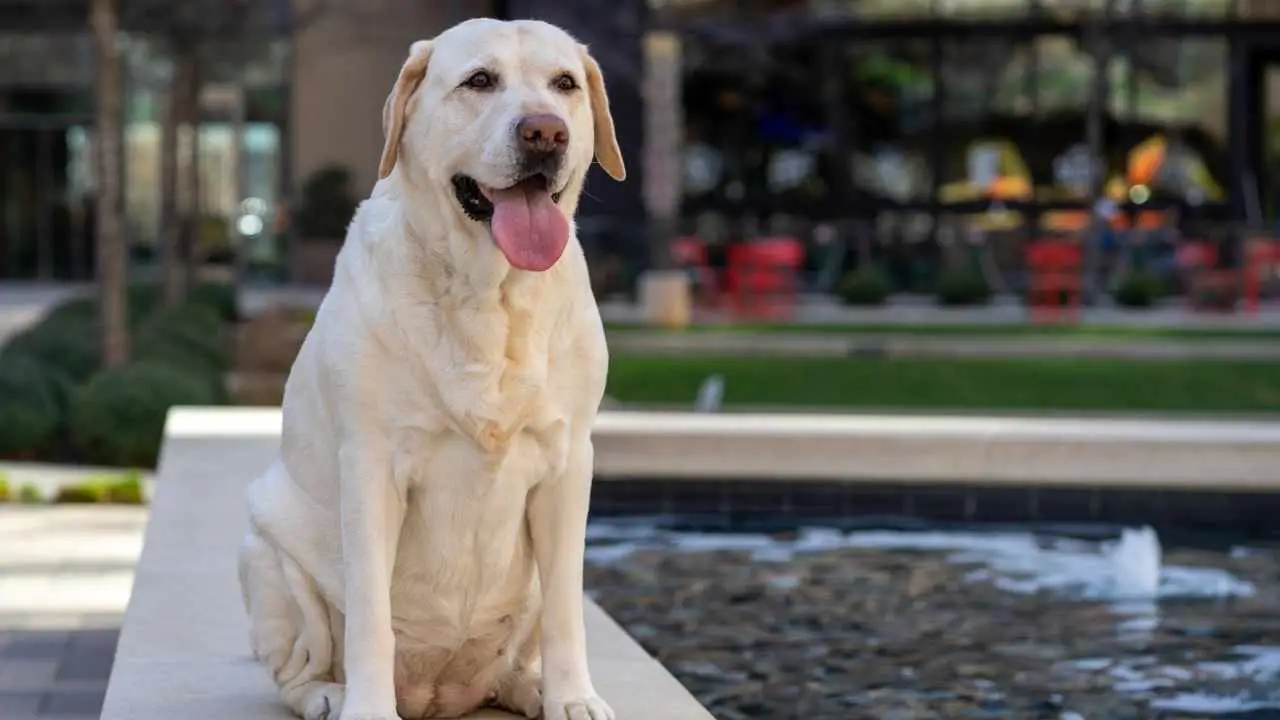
{"x":508,"y":116}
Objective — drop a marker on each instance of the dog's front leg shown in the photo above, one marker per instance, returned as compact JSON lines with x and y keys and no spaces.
{"x":372,"y":514}
{"x":558,"y":524}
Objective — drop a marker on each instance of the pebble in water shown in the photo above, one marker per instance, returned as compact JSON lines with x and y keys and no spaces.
{"x":875,"y":633}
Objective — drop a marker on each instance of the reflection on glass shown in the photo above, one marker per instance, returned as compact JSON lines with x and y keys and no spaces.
{"x":889,"y":96}
{"x":1174,"y":99}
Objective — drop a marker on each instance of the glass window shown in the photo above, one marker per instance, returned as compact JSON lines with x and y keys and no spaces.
{"x":988,"y":98}
{"x":889,"y":110}
{"x":1174,"y":96}
{"x":755,"y":127}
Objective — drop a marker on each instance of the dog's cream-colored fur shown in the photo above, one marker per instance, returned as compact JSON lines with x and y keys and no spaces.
{"x":416,"y":550}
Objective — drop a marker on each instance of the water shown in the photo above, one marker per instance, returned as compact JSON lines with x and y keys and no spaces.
{"x":950,"y":624}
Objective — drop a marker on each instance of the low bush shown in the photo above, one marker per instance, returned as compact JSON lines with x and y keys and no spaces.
{"x":1138,"y":289}
{"x":29,"y":494}
{"x":219,"y":297}
{"x":5,"y":494}
{"x":31,"y":413}
{"x":963,"y":286}
{"x":189,"y":337}
{"x":66,"y":345}
{"x":82,"y":494}
{"x":118,"y":417}
{"x":124,"y":489}
{"x":867,"y":285}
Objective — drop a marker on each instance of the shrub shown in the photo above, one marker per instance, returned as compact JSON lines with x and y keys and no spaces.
{"x":31,"y":413}
{"x":67,"y":345}
{"x":219,"y":297}
{"x":963,"y":286}
{"x":1138,"y":289}
{"x":5,"y":495}
{"x":82,"y":494}
{"x":327,"y":204}
{"x":188,"y":337}
{"x":125,"y":489}
{"x":868,"y":285}
{"x":118,"y":417}
{"x":29,"y":494}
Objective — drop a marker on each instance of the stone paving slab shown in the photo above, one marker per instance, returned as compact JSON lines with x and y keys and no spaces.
{"x":64,"y":583}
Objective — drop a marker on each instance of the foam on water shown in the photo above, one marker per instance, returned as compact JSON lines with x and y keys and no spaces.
{"x":1127,"y":569}
{"x":1145,"y":676}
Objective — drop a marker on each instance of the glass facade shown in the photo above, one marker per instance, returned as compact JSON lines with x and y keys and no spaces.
{"x":911,"y":126}
{"x":47,"y":136}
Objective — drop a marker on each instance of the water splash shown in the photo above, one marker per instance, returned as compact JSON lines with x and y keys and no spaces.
{"x":1135,"y":563}
{"x":710,"y":395}
{"x":1129,"y":570}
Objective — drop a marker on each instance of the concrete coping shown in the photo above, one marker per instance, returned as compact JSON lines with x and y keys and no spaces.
{"x":1204,"y":454}
{"x":184,"y":650}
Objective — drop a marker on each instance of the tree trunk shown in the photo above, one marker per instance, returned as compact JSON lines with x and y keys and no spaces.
{"x":188,"y":239}
{"x":112,"y":257}
{"x":175,"y":264}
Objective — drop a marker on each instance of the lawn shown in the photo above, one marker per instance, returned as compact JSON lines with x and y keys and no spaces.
{"x":970,"y":384}
{"x":1082,"y":331}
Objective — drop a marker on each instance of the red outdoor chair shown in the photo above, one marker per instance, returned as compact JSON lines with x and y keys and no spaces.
{"x":1054,"y":279}
{"x":762,"y":276}
{"x":1197,"y":259}
{"x":690,"y":252}
{"x":1260,"y":256}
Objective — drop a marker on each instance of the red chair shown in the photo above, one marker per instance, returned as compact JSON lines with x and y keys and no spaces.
{"x":1054,"y":279}
{"x":1260,"y":255}
{"x":761,"y":278}
{"x":1197,"y":259}
{"x":690,"y":252}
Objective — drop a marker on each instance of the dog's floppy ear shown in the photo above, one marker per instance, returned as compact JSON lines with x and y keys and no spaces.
{"x":607,"y":152}
{"x":397,"y":105}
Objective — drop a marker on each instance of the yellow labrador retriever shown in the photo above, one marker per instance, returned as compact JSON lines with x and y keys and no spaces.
{"x":416,"y":550}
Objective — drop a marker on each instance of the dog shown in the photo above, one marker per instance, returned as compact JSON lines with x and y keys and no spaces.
{"x":416,"y":549}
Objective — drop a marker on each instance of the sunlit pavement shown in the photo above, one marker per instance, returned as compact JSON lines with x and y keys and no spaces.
{"x":65,"y":578}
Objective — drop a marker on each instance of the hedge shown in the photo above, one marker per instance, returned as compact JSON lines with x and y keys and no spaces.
{"x":118,"y":417}
{"x":32,"y":411}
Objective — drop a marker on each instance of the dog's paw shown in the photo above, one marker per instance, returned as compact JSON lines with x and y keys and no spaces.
{"x":587,"y":707}
{"x":522,"y":695}
{"x":324,"y":702}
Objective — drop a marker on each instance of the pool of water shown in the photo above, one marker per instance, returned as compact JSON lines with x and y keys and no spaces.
{"x":894,"y":625}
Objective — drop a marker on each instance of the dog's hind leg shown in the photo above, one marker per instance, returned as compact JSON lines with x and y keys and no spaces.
{"x":290,"y":629}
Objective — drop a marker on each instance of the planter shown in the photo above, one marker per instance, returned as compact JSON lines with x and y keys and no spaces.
{"x":1216,"y":291}
{"x":312,"y":259}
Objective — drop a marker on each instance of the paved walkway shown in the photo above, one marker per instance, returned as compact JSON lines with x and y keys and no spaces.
{"x":65,"y":578}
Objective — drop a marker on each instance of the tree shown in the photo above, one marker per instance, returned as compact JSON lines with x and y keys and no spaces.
{"x":189,"y":27}
{"x":112,"y":255}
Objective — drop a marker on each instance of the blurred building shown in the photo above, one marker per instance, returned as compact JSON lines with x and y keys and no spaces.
{"x":909,"y":125}
{"x":288,"y":92}
{"x":905,"y":123}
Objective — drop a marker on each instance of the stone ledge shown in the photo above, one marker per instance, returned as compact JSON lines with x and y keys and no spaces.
{"x":1054,"y":451}
{"x":183,"y":649}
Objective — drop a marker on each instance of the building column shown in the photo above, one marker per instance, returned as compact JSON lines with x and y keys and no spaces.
{"x":614,"y":31}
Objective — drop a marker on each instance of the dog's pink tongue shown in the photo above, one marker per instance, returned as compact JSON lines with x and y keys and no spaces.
{"x":528,"y":227}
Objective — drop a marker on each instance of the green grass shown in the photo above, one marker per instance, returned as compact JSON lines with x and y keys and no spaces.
{"x":1089,"y":332}
{"x":971,"y":384}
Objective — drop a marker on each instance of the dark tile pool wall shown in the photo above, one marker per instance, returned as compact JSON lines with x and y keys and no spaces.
{"x":753,"y":505}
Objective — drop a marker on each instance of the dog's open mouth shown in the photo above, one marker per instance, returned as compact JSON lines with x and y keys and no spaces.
{"x":525,"y":219}
{"x":476,"y":204}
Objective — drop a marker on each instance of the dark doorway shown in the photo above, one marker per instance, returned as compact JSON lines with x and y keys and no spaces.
{"x":1261,"y":142}
{"x":44,"y":221}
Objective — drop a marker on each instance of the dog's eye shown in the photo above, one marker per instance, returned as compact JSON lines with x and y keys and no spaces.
{"x":480,"y":80}
{"x":565,"y":83}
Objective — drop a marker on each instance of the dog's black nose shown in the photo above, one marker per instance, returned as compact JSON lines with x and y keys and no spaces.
{"x":543,"y":135}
